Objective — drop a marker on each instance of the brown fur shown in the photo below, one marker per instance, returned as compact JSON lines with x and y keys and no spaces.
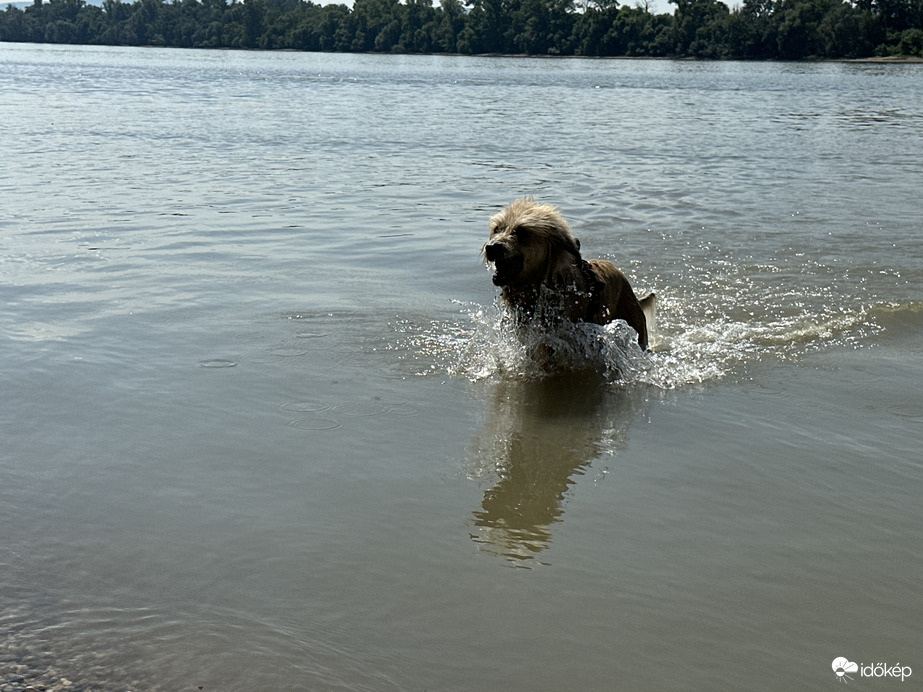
{"x":536,"y":255}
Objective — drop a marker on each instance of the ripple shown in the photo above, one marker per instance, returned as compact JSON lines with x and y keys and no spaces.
{"x":315,"y":315}
{"x":314,"y":341}
{"x":353,"y":409}
{"x":908,"y":411}
{"x":283,"y":352}
{"x":362,"y":409}
{"x":403,"y":410}
{"x":218,"y":363}
{"x":315,"y":423}
{"x":304,"y":406}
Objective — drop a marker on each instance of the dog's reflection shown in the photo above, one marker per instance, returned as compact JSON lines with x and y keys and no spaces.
{"x":540,"y":435}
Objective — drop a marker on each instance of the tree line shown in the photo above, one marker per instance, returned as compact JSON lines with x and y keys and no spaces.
{"x":756,"y":29}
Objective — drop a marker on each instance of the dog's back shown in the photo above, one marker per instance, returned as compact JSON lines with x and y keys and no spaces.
{"x":617,"y":301}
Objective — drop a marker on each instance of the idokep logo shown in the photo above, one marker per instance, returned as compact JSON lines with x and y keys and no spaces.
{"x":843,"y":666}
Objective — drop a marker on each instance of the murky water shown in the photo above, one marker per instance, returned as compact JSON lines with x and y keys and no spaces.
{"x":264,"y":426}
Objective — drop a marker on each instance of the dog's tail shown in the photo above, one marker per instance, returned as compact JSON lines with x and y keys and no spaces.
{"x":649,"y":308}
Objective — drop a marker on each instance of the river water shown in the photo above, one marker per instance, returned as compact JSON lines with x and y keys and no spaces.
{"x":263,"y":426}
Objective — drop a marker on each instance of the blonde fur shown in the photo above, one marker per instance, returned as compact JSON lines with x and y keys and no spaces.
{"x":535,"y":255}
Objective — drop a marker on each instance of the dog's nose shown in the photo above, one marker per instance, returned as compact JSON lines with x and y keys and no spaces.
{"x":494,"y":251}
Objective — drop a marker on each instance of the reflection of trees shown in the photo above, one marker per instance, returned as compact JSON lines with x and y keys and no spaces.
{"x":540,"y":435}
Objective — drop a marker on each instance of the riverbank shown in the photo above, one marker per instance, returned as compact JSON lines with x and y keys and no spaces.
{"x":886,"y":60}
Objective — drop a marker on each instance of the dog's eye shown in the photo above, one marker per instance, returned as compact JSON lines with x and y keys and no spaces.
{"x":521,"y":234}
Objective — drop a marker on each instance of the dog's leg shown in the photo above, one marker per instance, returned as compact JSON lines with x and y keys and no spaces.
{"x":649,"y":308}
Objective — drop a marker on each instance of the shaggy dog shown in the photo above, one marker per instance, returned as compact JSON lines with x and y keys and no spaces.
{"x":537,"y":263}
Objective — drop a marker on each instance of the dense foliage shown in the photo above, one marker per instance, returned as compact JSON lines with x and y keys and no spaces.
{"x":757,"y":29}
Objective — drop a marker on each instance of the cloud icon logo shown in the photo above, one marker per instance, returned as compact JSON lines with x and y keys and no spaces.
{"x":841,"y":666}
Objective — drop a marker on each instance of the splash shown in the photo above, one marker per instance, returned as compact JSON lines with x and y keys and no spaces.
{"x":690,"y":344}
{"x":498,"y":344}
{"x":716,"y":318}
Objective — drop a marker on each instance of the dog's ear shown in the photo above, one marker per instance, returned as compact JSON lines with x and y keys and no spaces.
{"x":570,"y":245}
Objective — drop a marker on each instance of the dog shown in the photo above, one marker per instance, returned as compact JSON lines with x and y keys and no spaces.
{"x":537,"y":264}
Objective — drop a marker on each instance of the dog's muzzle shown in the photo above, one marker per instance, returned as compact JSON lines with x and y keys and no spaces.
{"x":507,"y":264}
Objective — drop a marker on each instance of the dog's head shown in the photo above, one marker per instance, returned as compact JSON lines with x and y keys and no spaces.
{"x":528,"y":243}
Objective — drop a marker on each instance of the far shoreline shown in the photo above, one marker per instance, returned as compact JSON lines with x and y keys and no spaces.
{"x":875,"y":59}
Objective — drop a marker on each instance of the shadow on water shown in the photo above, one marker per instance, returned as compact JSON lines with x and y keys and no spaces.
{"x":539,"y":436}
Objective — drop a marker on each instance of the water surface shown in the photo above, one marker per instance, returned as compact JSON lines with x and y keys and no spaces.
{"x":263,"y":427}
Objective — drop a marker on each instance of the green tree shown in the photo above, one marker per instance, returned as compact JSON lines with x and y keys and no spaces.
{"x":699,"y":28}
{"x":591,"y":28}
{"x":758,"y":29}
{"x":798,"y":35}
{"x":848,"y":32}
{"x":484,"y":28}
{"x":418,"y":23}
{"x":752,"y":30}
{"x":450,"y":21}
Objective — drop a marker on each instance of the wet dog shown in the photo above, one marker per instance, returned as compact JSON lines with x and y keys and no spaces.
{"x":537,"y":263}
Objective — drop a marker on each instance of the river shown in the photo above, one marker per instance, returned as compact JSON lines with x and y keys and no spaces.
{"x":263,"y":427}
